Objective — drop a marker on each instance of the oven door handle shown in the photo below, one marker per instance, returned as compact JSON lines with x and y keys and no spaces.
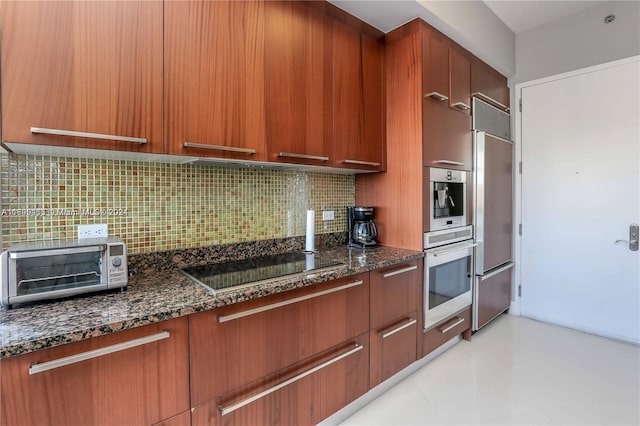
{"x":443,"y":252}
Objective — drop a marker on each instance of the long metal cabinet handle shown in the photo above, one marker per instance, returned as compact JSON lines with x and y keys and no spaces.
{"x":219,"y":148}
{"x":410,"y":322}
{"x":437,"y":95}
{"x":304,"y":156}
{"x":242,"y":314}
{"x":364,"y":163}
{"x":61,"y":362}
{"x":496,"y":272}
{"x":491,"y":100}
{"x":461,"y":106}
{"x":455,"y":163}
{"x":58,"y":132}
{"x":452,"y":326}
{"x":224,"y":410}
{"x":443,"y":252}
{"x":399,"y":271}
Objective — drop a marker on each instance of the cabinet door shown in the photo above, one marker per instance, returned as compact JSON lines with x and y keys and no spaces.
{"x":394,"y":292}
{"x":447,"y":140}
{"x":93,"y":67}
{"x":435,"y":69}
{"x":459,"y":80}
{"x":298,"y":83}
{"x":233,"y":346}
{"x":393,"y":347}
{"x":358,"y":137}
{"x":142,"y":384}
{"x":488,"y":84}
{"x":214,"y":78}
{"x":302,"y":395}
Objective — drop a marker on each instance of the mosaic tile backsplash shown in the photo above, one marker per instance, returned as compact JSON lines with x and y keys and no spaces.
{"x":158,"y":206}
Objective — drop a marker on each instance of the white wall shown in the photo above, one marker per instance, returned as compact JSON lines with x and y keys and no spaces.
{"x":578,"y":41}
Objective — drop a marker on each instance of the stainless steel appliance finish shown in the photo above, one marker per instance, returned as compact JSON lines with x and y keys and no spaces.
{"x":447,"y":199}
{"x":492,"y":212}
{"x":54,"y":269}
{"x":362,"y":229}
{"x":448,"y":273}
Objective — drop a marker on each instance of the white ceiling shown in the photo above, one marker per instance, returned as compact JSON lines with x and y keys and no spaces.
{"x":523,"y":15}
{"x":519,"y":15}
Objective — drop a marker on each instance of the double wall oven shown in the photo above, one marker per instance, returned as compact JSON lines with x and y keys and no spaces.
{"x":449,"y":246}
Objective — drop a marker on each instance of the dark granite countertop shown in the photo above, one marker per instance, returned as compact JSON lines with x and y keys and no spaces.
{"x":156,"y":296}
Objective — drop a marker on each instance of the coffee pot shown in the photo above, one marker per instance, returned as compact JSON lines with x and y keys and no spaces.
{"x":362,"y":229}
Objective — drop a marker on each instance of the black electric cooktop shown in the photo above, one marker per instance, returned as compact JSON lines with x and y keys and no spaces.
{"x":219,"y":277}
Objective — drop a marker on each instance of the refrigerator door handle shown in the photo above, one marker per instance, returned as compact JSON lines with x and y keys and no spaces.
{"x":497,"y":271}
{"x":478,"y":198}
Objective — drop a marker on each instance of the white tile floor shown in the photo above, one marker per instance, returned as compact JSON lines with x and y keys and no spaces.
{"x":518,"y":371}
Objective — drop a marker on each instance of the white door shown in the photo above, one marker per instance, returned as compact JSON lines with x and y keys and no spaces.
{"x":580,"y":192}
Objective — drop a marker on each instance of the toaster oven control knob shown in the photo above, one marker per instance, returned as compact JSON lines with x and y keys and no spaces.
{"x":116,"y":262}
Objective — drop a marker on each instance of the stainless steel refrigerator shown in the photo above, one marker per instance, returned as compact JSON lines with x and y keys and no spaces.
{"x":492,"y":211}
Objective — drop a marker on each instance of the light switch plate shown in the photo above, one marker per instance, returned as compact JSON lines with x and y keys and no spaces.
{"x":328,"y":215}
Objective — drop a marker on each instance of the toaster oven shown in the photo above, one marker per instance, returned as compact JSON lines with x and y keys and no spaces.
{"x":53,"y":269}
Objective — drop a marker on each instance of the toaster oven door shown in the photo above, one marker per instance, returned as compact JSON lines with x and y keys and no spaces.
{"x":56,"y":273}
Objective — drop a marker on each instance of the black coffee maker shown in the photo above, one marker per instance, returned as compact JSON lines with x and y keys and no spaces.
{"x":362,"y":230}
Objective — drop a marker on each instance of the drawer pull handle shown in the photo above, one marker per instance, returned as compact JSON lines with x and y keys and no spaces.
{"x":224,"y":410}
{"x":453,"y":163}
{"x":363,"y":163}
{"x":58,"y":132}
{"x":461,"y":106}
{"x":219,"y":148}
{"x":303,"y":156}
{"x":410,"y":322}
{"x":436,"y":95}
{"x":83,"y":356}
{"x":490,"y":100}
{"x":453,"y":250}
{"x":241,"y":314}
{"x":399,"y":271}
{"x":452,"y":326}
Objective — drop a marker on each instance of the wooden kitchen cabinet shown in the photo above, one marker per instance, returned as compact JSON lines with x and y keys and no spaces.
{"x":459,"y":80}
{"x":214,"y":78}
{"x":493,"y":295}
{"x":90,"y":67}
{"x":237,"y":345}
{"x":459,"y":323}
{"x":394,"y":321}
{"x":358,"y":100}
{"x":142,"y":384}
{"x":446,"y":132}
{"x":489,"y":85}
{"x":304,"y":394}
{"x":298,"y":79}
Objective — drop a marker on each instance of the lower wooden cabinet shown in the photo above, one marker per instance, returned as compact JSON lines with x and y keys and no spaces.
{"x":302,"y":395}
{"x":493,"y":296}
{"x":236,"y":345}
{"x":134,"y":377}
{"x":392,"y":348}
{"x":182,"y":419}
{"x":440,"y":334}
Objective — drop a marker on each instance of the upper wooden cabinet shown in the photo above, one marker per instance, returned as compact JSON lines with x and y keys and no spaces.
{"x":358,"y":99}
{"x":83,"y":66}
{"x":459,"y":80}
{"x":435,"y":65}
{"x":214,"y":78}
{"x":489,"y":84}
{"x":298,"y":62}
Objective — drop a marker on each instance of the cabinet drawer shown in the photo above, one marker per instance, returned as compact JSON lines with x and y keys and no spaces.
{"x":446,"y":330}
{"x":493,"y":296}
{"x":394,"y":292}
{"x":393,"y":348}
{"x":233,"y":346}
{"x":138,"y":376}
{"x":302,"y":395}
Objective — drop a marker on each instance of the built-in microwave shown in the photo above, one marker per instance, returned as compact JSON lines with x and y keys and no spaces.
{"x":447,"y":199}
{"x":54,"y":269}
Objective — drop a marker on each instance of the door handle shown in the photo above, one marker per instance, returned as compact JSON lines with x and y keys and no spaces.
{"x":633,"y":237}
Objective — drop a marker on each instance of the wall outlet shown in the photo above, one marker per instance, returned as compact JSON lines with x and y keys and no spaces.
{"x":93,"y":231}
{"x":328,"y":215}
